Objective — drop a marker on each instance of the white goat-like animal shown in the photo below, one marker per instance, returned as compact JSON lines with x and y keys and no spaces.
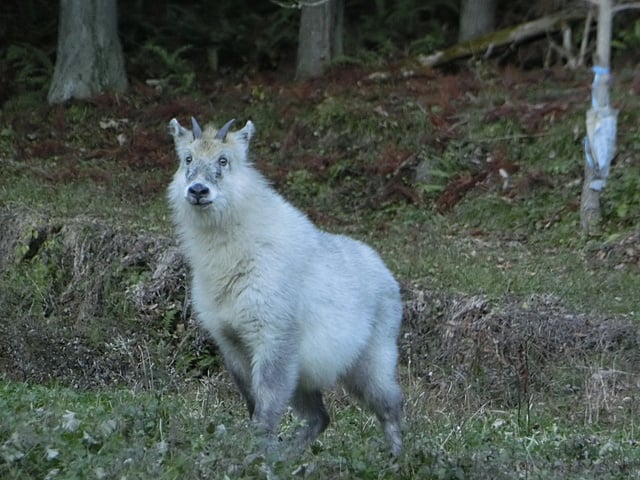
{"x":293,"y":309}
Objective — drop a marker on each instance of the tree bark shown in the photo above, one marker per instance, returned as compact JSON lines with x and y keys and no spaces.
{"x":589,"y":204}
{"x":590,"y":214}
{"x":320,"y":37}
{"x":477,"y":17}
{"x":89,"y":58}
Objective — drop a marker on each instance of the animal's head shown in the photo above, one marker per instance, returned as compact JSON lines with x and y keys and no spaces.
{"x":213,"y":164}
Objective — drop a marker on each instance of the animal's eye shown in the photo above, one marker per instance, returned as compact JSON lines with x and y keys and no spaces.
{"x":222,"y":161}
{"x":188,"y":159}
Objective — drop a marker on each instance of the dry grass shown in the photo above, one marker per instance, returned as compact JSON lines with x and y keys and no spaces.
{"x":94,"y":302}
{"x":111,"y":305}
{"x":514,"y":354}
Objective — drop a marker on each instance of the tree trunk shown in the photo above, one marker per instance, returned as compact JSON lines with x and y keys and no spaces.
{"x":89,"y":59}
{"x":589,"y":204}
{"x":477,"y":17}
{"x":590,"y":201}
{"x":320,"y":37}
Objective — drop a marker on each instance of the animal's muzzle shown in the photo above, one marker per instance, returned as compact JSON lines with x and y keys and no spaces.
{"x":198,"y":194}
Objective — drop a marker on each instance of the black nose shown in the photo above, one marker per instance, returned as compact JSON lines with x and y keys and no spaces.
{"x":198,"y":191}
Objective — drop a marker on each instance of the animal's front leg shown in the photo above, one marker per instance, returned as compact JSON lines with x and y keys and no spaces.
{"x":240,"y":379}
{"x":274,"y":378}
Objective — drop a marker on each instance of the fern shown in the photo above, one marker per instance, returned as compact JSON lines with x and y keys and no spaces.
{"x":170,"y":67}
{"x":33,"y":67}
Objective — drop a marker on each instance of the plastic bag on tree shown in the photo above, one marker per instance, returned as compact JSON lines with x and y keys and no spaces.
{"x":600,"y":142}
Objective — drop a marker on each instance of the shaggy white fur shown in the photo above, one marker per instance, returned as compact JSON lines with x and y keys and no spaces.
{"x":292,"y":308}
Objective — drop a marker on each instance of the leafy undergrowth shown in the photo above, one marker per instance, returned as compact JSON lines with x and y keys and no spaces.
{"x":519,"y":348}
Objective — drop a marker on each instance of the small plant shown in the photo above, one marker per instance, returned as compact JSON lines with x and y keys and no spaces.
{"x":33,"y":66}
{"x":392,"y":24}
{"x":627,"y":39}
{"x":301,"y":184}
{"x":169,"y":67}
{"x":622,"y":198}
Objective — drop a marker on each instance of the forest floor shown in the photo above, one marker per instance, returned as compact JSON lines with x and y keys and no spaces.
{"x":519,"y":350}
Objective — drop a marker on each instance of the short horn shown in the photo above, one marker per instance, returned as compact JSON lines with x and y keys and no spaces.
{"x":197,"y":131}
{"x":222,"y":133}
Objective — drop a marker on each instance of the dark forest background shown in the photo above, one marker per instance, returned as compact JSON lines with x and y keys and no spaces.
{"x":242,"y":37}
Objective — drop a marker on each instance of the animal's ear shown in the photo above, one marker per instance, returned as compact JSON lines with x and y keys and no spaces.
{"x":178,"y":132}
{"x":246,"y":133}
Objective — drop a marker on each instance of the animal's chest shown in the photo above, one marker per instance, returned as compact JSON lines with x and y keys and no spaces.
{"x":222,"y":291}
{"x":226,"y":306}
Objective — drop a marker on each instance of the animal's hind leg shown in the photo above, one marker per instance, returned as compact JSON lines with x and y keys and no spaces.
{"x":373,"y":381}
{"x":308,"y":405}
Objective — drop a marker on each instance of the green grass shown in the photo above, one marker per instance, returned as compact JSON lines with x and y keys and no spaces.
{"x":487,"y":252}
{"x":177,"y":416}
{"x":54,"y":432}
{"x":89,"y":198}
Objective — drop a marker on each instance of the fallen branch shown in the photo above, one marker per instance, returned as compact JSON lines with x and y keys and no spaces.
{"x":488,"y":42}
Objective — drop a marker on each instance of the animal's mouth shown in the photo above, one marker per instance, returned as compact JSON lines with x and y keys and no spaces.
{"x":199,"y":202}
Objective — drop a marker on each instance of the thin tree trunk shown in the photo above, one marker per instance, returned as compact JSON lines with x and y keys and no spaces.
{"x":89,"y":59}
{"x":477,"y":17}
{"x":589,"y":203}
{"x":590,"y":214}
{"x":320,"y":37}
